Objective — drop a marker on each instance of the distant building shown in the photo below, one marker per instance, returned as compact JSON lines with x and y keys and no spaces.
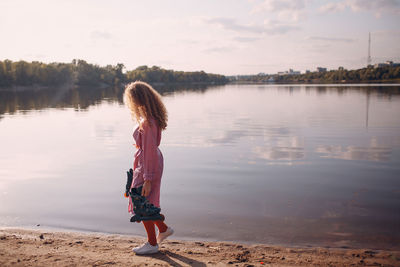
{"x":290,"y":72}
{"x":294,"y":72}
{"x":379,"y":65}
{"x":388,"y":63}
{"x":320,"y":69}
{"x":308,"y":71}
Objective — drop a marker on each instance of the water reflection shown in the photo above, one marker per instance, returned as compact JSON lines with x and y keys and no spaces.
{"x":79,"y":98}
{"x":355,"y":153}
{"x":228,"y":137}
{"x":282,"y":149}
{"x":64,"y":155}
{"x":277,"y":131}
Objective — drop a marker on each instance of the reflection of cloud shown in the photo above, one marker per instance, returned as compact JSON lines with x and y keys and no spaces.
{"x":107,"y":135}
{"x":278,"y":131}
{"x":34,"y":166}
{"x":228,"y":137}
{"x":354,"y":153}
{"x":241,"y":127}
{"x":190,"y":145}
{"x":285,"y":149}
{"x":279,"y":153}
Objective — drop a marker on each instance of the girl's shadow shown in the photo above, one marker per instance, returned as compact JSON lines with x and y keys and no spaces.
{"x":171,"y":257}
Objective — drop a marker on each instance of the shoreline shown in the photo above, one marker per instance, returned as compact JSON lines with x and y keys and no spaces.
{"x":353,"y":84}
{"x":68,"y":86}
{"x":31,"y":247}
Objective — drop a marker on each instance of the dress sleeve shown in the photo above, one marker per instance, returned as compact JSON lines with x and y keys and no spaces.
{"x":149,"y":147}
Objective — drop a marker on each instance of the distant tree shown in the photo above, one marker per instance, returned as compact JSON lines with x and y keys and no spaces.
{"x":83,"y":73}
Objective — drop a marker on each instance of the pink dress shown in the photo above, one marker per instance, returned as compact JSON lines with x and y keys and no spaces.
{"x":148,"y":162}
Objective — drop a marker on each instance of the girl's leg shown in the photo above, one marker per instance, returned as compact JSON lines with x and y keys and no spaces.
{"x":162,"y":227}
{"x":164,"y":231}
{"x":151,"y":232}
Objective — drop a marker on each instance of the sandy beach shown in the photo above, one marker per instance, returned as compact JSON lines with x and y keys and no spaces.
{"x":22,"y":247}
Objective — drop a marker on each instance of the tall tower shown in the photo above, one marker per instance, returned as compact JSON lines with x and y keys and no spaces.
{"x":369,"y":49}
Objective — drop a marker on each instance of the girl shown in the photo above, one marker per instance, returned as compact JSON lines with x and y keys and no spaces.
{"x":148,"y":110}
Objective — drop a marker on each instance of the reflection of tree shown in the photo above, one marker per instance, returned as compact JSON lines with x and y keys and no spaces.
{"x":165,"y":89}
{"x":76,"y":97}
{"x":380,"y":90}
{"x":367,"y":110}
{"x":79,"y":98}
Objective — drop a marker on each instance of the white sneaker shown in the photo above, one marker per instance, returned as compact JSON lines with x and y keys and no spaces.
{"x":164,"y":235}
{"x":146,"y":248}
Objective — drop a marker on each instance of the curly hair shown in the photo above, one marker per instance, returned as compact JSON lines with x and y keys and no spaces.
{"x":144,"y":102}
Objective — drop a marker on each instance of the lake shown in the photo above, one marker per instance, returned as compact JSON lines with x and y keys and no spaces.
{"x":298,"y":165}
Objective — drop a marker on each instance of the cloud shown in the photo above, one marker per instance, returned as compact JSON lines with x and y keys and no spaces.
{"x":283,"y":17}
{"x":269,"y":27}
{"x":333,"y":7}
{"x":260,"y":66}
{"x":36,"y":56}
{"x":231,"y":24}
{"x":390,"y":33}
{"x":190,"y":41}
{"x":101,"y":35}
{"x":246,"y":39}
{"x":379,"y":7}
{"x":218,"y":49}
{"x":331,"y":39}
{"x":287,"y":10}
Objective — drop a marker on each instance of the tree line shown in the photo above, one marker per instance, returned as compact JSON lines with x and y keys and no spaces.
{"x":369,"y":74}
{"x":160,"y":75}
{"x":79,"y":72}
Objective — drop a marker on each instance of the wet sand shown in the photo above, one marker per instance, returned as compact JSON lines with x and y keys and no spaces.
{"x":22,"y":247}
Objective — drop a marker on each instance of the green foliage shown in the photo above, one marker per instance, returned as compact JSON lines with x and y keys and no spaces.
{"x":24,"y":73}
{"x":370,"y":74}
{"x":79,"y":72}
{"x":158,"y":75}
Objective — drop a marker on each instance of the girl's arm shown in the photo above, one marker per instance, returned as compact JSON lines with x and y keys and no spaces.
{"x":149,"y":147}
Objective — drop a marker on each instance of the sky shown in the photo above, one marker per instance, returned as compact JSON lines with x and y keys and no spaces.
{"x":228,"y":37}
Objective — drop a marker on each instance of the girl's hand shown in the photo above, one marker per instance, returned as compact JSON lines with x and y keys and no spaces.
{"x":146,"y":188}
